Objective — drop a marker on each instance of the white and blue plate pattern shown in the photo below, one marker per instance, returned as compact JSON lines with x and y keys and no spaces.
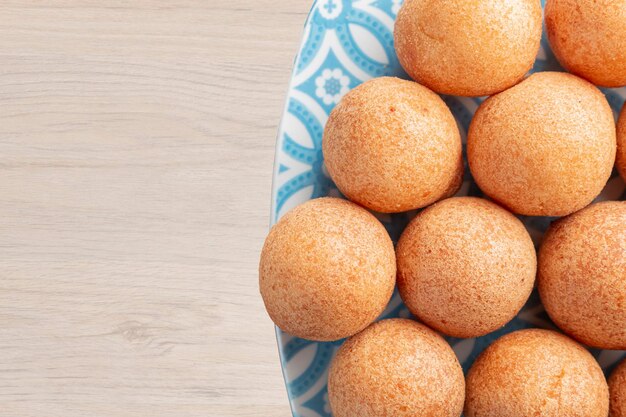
{"x":345,"y":43}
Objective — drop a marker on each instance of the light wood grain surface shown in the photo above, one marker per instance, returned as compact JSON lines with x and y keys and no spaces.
{"x":136,"y":149}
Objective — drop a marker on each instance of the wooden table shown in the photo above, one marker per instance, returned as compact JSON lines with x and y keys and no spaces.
{"x":136,"y":149}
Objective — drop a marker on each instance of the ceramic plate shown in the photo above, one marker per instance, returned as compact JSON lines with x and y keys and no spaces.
{"x":346,"y":43}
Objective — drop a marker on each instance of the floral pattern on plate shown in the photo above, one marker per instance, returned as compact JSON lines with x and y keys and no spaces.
{"x":345,"y":43}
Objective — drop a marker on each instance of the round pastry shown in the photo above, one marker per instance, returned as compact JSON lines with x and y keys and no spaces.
{"x":468,"y":47}
{"x":588,"y":38}
{"x":536,"y":373}
{"x":392,"y":145}
{"x":466,"y":266}
{"x":617,"y":390}
{"x":620,"y":161}
{"x":396,"y":368}
{"x":327,"y":270}
{"x":582,"y":274}
{"x":545,"y":147}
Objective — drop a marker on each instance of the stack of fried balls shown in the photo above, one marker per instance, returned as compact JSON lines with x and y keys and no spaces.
{"x":539,"y":145}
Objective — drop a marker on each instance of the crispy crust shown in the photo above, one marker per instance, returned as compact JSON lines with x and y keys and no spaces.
{"x":588,"y":38}
{"x":536,"y":373}
{"x":545,"y":147}
{"x":617,"y":390}
{"x":468,"y":47}
{"x":466,"y":266}
{"x":393,"y":145}
{"x":327,"y":270}
{"x":396,"y":368}
{"x":582,"y":274}
{"x":620,"y":161}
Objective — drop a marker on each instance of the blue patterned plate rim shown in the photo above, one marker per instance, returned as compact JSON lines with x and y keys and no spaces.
{"x":346,"y":42}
